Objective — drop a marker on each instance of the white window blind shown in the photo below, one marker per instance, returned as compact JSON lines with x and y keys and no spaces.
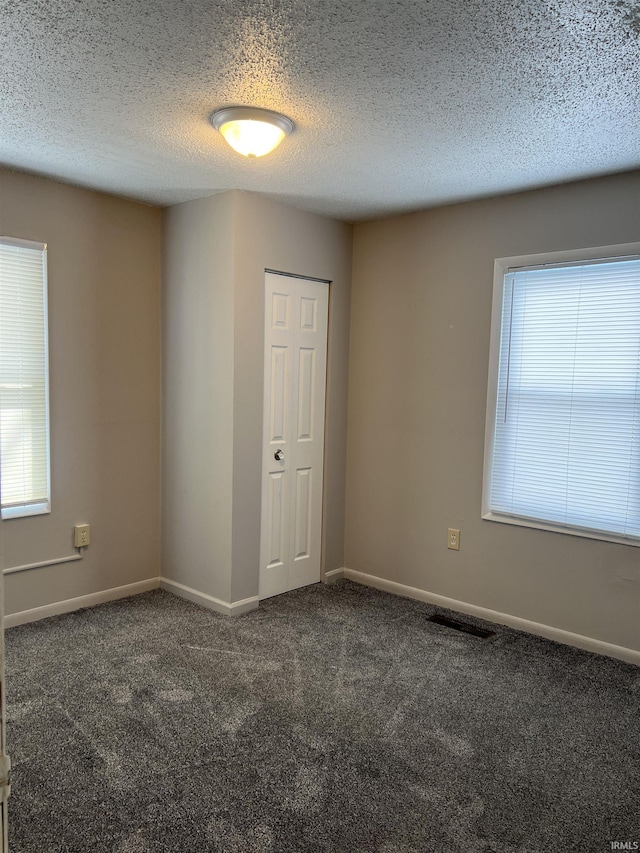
{"x":565,"y":448}
{"x":24,"y":404}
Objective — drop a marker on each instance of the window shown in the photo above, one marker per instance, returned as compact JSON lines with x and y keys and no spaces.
{"x":24,"y":391}
{"x":562,"y":447}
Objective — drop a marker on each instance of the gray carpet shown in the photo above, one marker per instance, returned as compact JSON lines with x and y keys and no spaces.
{"x":331,"y":719}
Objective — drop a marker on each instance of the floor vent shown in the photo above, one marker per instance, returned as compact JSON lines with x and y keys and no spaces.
{"x":462,"y":626}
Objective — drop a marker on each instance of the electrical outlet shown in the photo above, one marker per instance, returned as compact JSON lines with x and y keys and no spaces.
{"x":453,"y":539}
{"x":82,"y":535}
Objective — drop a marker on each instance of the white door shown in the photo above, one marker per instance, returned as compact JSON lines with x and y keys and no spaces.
{"x":295,"y":366}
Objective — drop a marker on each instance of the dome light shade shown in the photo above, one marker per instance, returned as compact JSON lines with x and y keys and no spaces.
{"x":251,"y":131}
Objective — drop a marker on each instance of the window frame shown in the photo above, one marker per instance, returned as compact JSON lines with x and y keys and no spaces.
{"x":501,"y":268}
{"x":41,"y":507}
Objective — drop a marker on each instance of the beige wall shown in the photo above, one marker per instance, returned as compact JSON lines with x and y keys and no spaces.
{"x":278,"y":237}
{"x":418,"y":374}
{"x":216,"y":253}
{"x":421,"y":310}
{"x":197,"y":431}
{"x":104,"y":326}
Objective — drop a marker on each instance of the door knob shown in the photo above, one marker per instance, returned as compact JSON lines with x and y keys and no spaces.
{"x":278,"y":455}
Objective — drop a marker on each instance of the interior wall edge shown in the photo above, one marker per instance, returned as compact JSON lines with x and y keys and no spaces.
{"x":197,"y":399}
{"x":226,"y":608}
{"x":333,"y":575}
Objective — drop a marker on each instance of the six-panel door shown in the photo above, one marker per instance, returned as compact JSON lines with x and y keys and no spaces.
{"x":293,"y":432}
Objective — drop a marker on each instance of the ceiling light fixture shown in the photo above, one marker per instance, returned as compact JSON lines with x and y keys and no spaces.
{"x":251,"y":131}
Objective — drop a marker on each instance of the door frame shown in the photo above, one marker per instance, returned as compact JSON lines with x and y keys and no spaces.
{"x":329,"y":283}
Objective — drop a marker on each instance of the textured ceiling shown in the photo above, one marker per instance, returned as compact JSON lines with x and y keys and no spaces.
{"x":398,"y":104}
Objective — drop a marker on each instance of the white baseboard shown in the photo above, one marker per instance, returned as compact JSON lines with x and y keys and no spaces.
{"x":235,"y":608}
{"x":560,"y":636}
{"x":71,"y":604}
{"x":333,"y":576}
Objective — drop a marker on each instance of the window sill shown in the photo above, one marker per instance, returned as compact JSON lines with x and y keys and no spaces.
{"x":9,"y":512}
{"x":585,"y":533}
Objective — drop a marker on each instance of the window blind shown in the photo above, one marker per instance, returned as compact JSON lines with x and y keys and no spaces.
{"x":566,"y":442}
{"x":24,"y":409}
